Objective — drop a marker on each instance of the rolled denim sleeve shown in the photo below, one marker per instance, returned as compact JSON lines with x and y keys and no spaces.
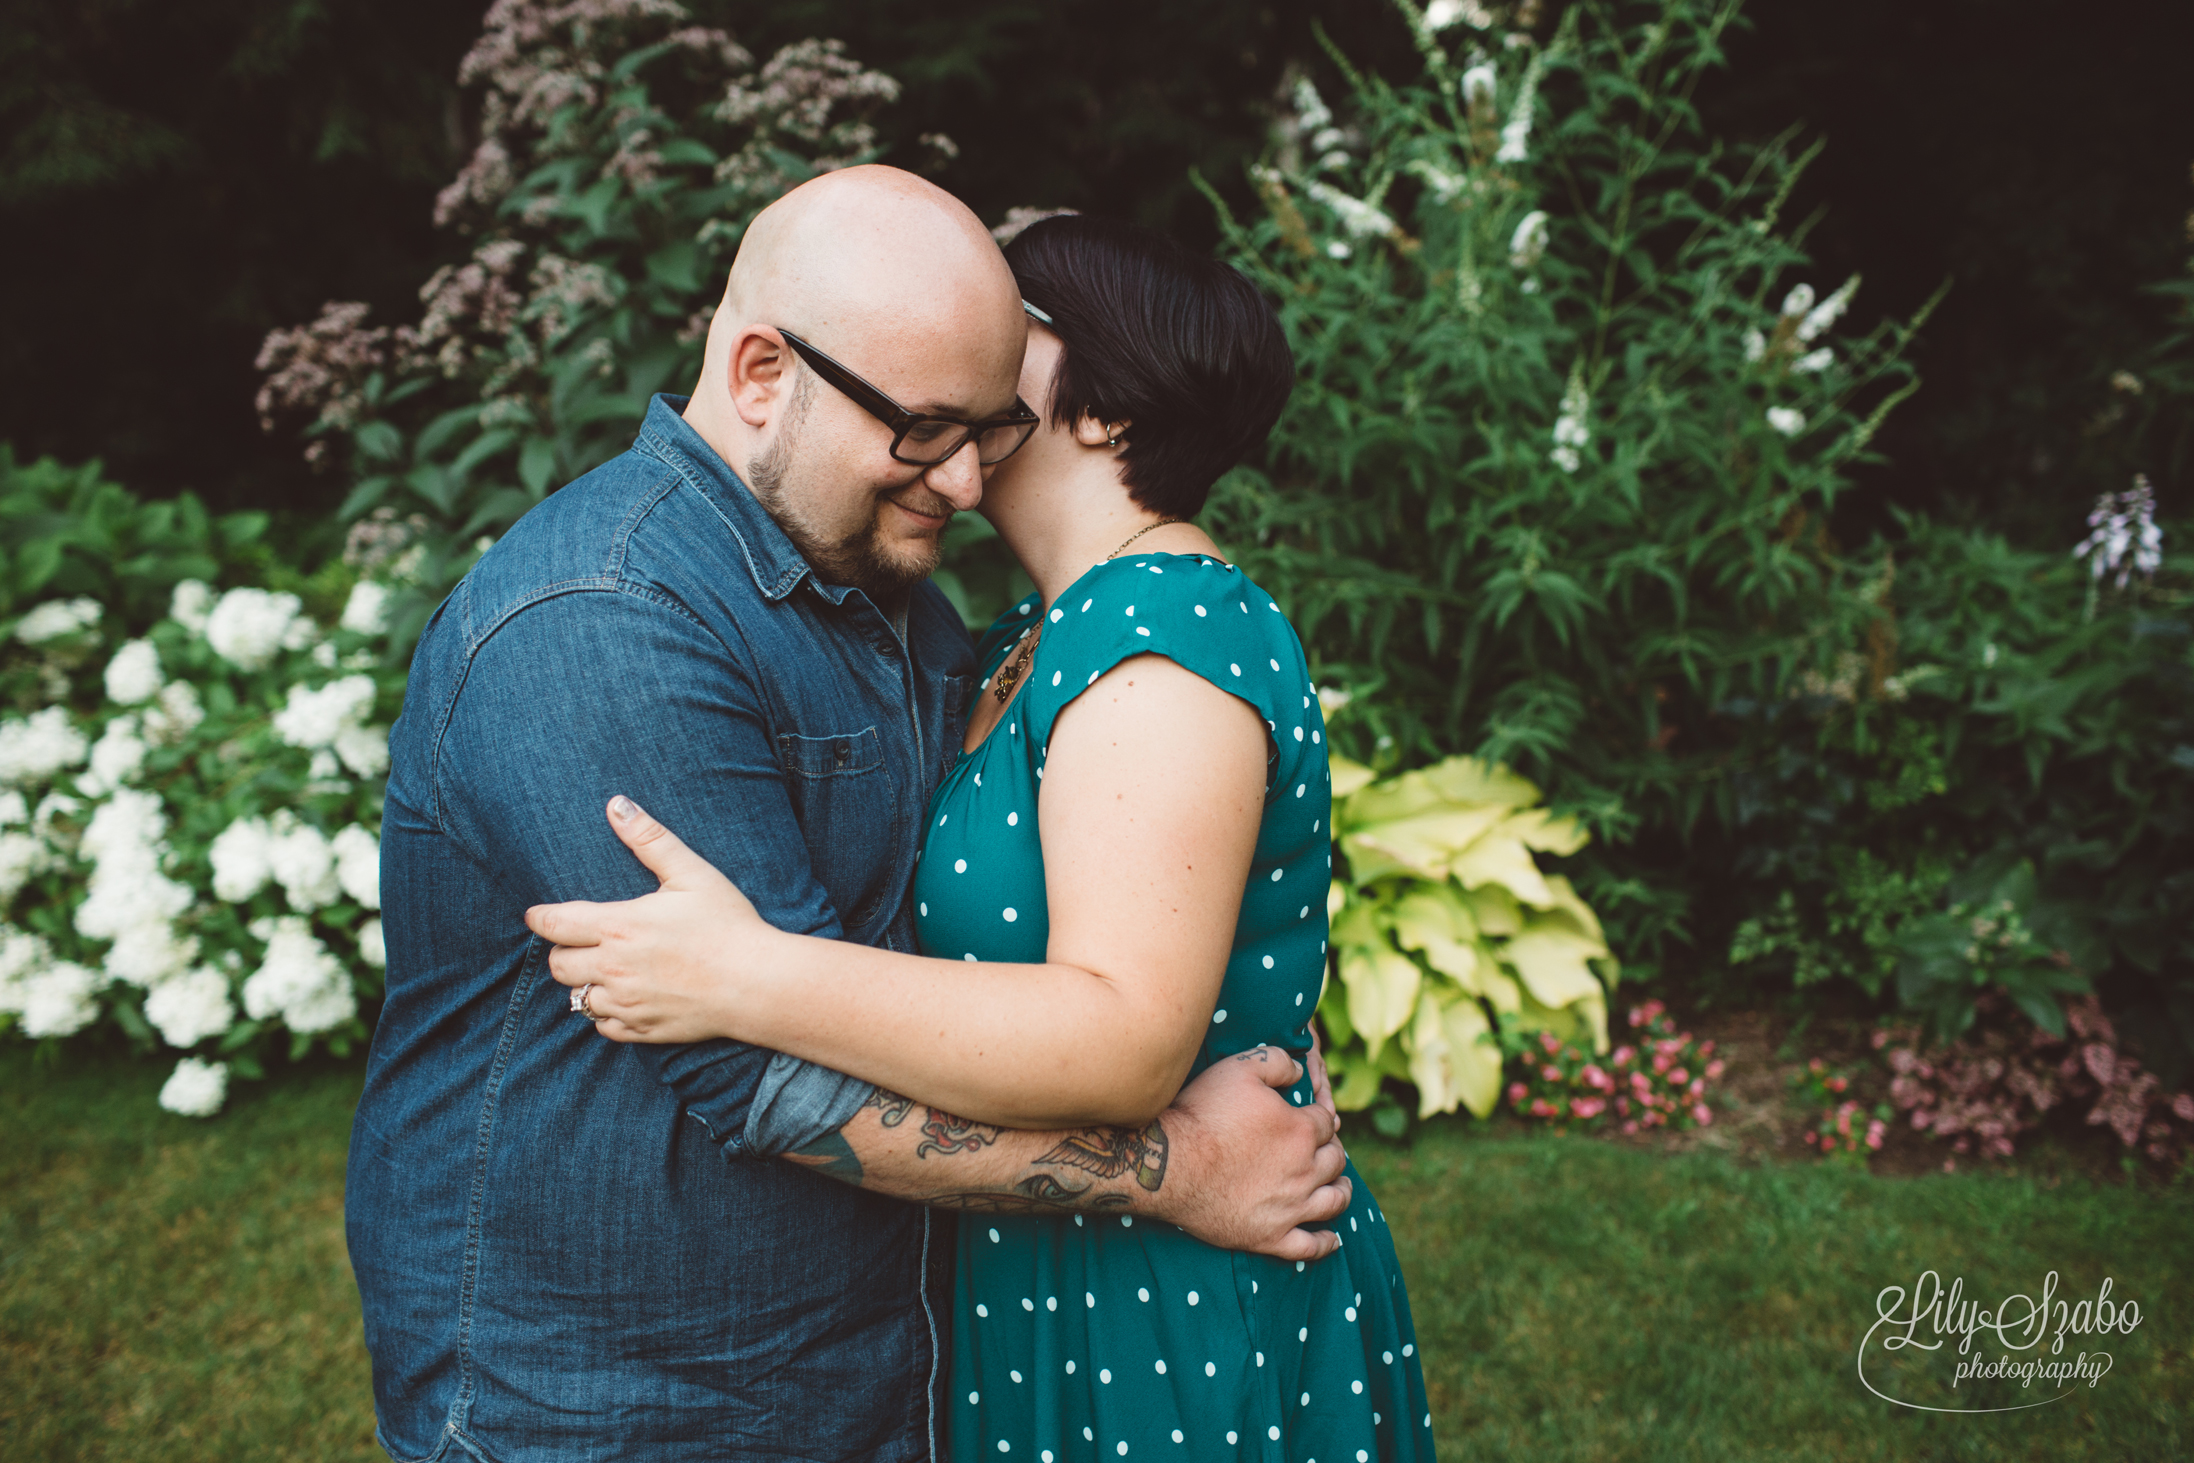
{"x":585,"y":694}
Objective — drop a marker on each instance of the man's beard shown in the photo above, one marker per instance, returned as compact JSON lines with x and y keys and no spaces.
{"x":858,"y":560}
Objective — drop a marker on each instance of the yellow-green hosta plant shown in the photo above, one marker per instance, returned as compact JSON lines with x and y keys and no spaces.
{"x":1445,"y":929}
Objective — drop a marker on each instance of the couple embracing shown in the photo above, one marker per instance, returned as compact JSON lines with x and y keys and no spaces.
{"x":943,"y":1083}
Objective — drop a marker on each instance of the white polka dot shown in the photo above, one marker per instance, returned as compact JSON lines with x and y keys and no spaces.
{"x":1047,"y":1456}
{"x":1088,"y":1299}
{"x":925,"y":909}
{"x":1357,"y":1388}
{"x":994,"y":1236}
{"x":1161,"y":1368}
{"x":1316,"y":738}
{"x":1352,"y":1230}
{"x":943,"y":819}
{"x":1211,"y":1369}
{"x":1012,"y":914}
{"x":1298,"y":998}
{"x":1305,"y":914}
{"x":1200,"y":612}
{"x":1127,"y":1221}
{"x":1316,"y":824}
{"x":1428,"y":1419}
{"x":1011,"y":729}
{"x":1027,"y":1304}
{"x":1268,"y":962}
{"x":1142,"y":630}
{"x":1024,"y":606}
{"x":1055,"y":675}
{"x":981,"y":1310}
{"x":1218,"y":1016}
{"x":1409,"y":1350}
{"x":1252,"y":1287}
{"x":969,"y":956}
{"x":1242,"y":605}
{"x":1051,"y":1303}
{"x":959,"y":866}
{"x":1092,"y":679}
{"x":1176,"y":1435}
{"x":1077,"y":1221}
{"x":1142,"y":1293}
{"x":1260,"y":1358}
{"x":1275,"y":609}
{"x":1387,"y":1357}
{"x":1122,"y":1447}
{"x":1015,"y":1375}
{"x":1104,"y":1374}
{"x":1234,"y":668}
{"x":1306,"y":1399}
{"x":1272,"y":1432}
{"x":1298,"y":737}
{"x":1275,"y":665}
{"x":973,"y":1398}
{"x":1057,"y":615}
{"x":1233,"y":1437}
{"x":1013,"y":820}
{"x":1070,"y":1368}
{"x":1361,"y":1456}
{"x":1088,"y":1436}
{"x":1275,"y":876}
{"x":978,"y":783}
{"x":1004,"y":1446}
{"x":1087,"y":603}
{"x":1131,"y":612}
{"x":1194,"y":1298}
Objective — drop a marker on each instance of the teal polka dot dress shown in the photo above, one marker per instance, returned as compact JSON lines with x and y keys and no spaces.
{"x":1104,"y":1337}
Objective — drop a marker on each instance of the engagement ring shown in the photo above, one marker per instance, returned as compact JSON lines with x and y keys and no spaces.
{"x":579,"y":1004}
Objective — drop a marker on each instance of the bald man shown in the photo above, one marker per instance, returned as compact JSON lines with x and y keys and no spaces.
{"x":569,"y":1248}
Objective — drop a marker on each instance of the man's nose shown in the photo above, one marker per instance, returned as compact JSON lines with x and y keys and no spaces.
{"x":958,"y":479}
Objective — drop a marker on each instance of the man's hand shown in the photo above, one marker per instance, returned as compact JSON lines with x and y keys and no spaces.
{"x":1248,"y":1168}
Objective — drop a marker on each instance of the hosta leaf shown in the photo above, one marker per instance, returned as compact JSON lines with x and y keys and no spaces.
{"x":1348,"y":777}
{"x":1543,"y":831}
{"x":1470,"y":782}
{"x":1500,"y":858}
{"x":1449,"y":1059}
{"x":1382,"y":990}
{"x":1495,"y":910}
{"x":1552,"y":960}
{"x":1423,"y":844}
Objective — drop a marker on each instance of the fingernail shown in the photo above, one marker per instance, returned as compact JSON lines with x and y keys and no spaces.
{"x":623,"y":809}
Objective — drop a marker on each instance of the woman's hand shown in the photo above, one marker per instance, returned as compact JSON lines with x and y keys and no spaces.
{"x":663,"y":967}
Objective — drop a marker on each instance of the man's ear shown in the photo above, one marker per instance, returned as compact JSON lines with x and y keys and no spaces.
{"x":1092,"y":433}
{"x":755,"y":374}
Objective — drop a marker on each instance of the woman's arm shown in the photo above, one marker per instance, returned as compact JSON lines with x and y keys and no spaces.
{"x":1153,"y":795}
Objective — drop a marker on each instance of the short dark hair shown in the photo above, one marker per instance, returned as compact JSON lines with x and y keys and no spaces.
{"x":1176,"y":343}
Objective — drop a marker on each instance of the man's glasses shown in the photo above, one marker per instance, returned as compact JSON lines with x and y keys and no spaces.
{"x":918,"y":440}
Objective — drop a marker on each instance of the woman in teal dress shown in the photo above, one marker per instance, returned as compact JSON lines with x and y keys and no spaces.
{"x":1171,"y":695}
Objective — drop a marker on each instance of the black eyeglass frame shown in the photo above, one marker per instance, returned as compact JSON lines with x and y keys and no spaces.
{"x":901,"y":421}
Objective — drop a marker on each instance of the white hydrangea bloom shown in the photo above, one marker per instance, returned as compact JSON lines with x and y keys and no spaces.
{"x":39,"y":745}
{"x":53,"y":805}
{"x":303,"y":862}
{"x":325,"y":765}
{"x":323,"y":655}
{"x":191,"y":1007}
{"x":364,"y":749}
{"x":1528,"y":243}
{"x":149,"y":952}
{"x":358,"y":865}
{"x":134,"y":673}
{"x":197,"y":1089}
{"x":175,"y":715}
{"x":191,"y":604}
{"x":247,"y":626}
{"x":315,"y":717}
{"x":57,"y":618}
{"x":115,"y":758}
{"x":59,"y":1000}
{"x":366,"y":612}
{"x":1787,"y":420}
{"x":13,"y":809}
{"x":372,"y":947}
{"x":22,"y":955}
{"x":242,"y":856}
{"x":128,"y":900}
{"x":300,"y":981}
{"x":21,"y":857}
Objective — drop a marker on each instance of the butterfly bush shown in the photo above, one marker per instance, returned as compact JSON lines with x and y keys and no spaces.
{"x":190,"y":828}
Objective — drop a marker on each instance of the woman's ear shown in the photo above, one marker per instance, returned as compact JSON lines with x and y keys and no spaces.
{"x":1092,"y":433}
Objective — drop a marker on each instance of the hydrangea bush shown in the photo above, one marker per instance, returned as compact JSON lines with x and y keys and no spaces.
{"x":190,"y":827}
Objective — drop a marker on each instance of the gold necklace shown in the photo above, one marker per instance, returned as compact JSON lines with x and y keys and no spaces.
{"x":1009,"y":675}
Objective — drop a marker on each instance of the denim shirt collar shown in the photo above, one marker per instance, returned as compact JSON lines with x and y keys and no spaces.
{"x":777,"y":566}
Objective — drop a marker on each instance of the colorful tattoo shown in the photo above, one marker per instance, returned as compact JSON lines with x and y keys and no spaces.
{"x":893,"y":1108}
{"x":832,"y":1156}
{"x":943,"y":1133}
{"x":1111,"y":1152}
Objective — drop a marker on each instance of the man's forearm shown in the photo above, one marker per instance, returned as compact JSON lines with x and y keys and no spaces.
{"x":895,"y":1145}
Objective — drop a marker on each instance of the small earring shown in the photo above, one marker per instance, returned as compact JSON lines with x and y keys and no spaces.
{"x":1113,"y":439}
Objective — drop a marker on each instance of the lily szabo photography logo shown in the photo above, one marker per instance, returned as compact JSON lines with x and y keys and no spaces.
{"x":1938,"y":1351}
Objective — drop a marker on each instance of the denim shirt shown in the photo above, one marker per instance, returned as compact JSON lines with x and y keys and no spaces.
{"x":570,"y":1248}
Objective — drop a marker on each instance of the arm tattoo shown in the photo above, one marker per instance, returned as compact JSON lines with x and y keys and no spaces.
{"x":831,"y":1156}
{"x":1037,"y":1194}
{"x":892,"y":1109}
{"x":1111,"y":1152}
{"x":946,"y":1134}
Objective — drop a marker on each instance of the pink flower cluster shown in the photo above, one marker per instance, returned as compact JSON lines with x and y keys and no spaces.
{"x":1843,"y":1132}
{"x":1658,"y":1079}
{"x":1985,"y":1089}
{"x":1839,"y":1132}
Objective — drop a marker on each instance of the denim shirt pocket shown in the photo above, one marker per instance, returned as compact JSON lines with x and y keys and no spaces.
{"x":847,"y":805}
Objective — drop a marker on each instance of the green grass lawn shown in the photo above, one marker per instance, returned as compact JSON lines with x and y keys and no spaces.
{"x":172,"y":1289}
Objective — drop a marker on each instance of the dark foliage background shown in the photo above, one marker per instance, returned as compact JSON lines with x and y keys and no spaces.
{"x":180,"y":177}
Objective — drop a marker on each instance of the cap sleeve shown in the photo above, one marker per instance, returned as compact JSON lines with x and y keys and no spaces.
{"x":1203,"y":615}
